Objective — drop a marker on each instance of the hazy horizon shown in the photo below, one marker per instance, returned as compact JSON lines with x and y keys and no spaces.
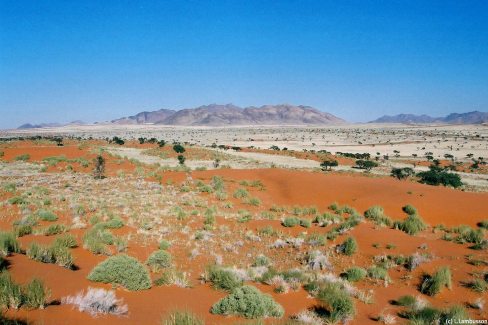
{"x":359,"y":60}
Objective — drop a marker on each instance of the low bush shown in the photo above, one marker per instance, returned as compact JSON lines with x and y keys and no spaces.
{"x":348,"y":247}
{"x":438,"y":176}
{"x":241,"y":193}
{"x":8,"y":244}
{"x":46,"y":215}
{"x":182,"y":318}
{"x":249,"y":302}
{"x":53,"y":230}
{"x":22,"y":230}
{"x":412,"y":225}
{"x":35,"y":294}
{"x":222,"y":279}
{"x":305,"y":223}
{"x":409,"y":209}
{"x":483,"y":224}
{"x":164,"y":244}
{"x":339,"y":305}
{"x":122,"y":270}
{"x":354,"y":274}
{"x":378,"y":273}
{"x":158,"y":260}
{"x":432,"y":285}
{"x":377,"y":215}
{"x":291,"y":222}
{"x":10,"y":292}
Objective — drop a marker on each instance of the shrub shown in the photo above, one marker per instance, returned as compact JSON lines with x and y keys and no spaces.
{"x":65,"y":240}
{"x":406,"y":301}
{"x":46,"y":215}
{"x":56,"y":254}
{"x":377,"y":214}
{"x":348,"y":247}
{"x":412,"y":225}
{"x":159,"y":259}
{"x":409,"y":209}
{"x":437,"y":176}
{"x":164,"y":244}
{"x":23,"y":157}
{"x":35,"y":294}
{"x":99,"y":169}
{"x":249,"y":302}
{"x":328,"y":164}
{"x":10,"y":292}
{"x":291,"y":222}
{"x":483,"y":224}
{"x":122,"y":270}
{"x":432,"y":285}
{"x":402,"y":173}
{"x":469,"y":235}
{"x":379,"y":273}
{"x":305,"y":223}
{"x":337,"y":302}
{"x":17,"y":200}
{"x":223,"y":279}
{"x":114,"y":223}
{"x":182,"y":318}
{"x":8,"y":243}
{"x":97,"y":301}
{"x":241,"y":193}
{"x":181,"y":159}
{"x":22,"y":230}
{"x":53,"y":230}
{"x":261,"y":260}
{"x":178,"y":148}
{"x":96,"y":239}
{"x":355,"y":274}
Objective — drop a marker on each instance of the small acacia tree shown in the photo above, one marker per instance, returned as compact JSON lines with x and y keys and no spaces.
{"x":178,"y":148}
{"x":366,"y":164}
{"x":99,"y":171}
{"x":402,"y":173}
{"x":328,"y":164}
{"x":181,"y":159}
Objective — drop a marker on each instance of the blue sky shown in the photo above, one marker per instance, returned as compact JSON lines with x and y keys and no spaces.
{"x":99,"y":60}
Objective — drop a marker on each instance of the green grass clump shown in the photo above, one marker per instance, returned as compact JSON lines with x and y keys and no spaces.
{"x":478,"y":285}
{"x":406,"y":301}
{"x":483,"y":224}
{"x":8,"y":244}
{"x":355,"y":274}
{"x":467,"y":234}
{"x":96,"y":240}
{"x":52,"y":230}
{"x":122,"y":270}
{"x":35,"y":294}
{"x":10,"y":292}
{"x":337,"y":302}
{"x":22,"y":230}
{"x":241,"y":193}
{"x":222,"y":279}
{"x":412,"y":225}
{"x":377,"y":214}
{"x":55,"y":254}
{"x":305,"y":223}
{"x":249,"y":302}
{"x":46,"y":215}
{"x":17,"y":200}
{"x":23,"y":157}
{"x":430,"y":315}
{"x":379,"y":273}
{"x":182,"y":318}
{"x":291,"y":222}
{"x":409,"y":209}
{"x":348,"y":247}
{"x":65,"y":240}
{"x":164,"y":244}
{"x":158,"y":260}
{"x":113,"y":223}
{"x":432,"y":285}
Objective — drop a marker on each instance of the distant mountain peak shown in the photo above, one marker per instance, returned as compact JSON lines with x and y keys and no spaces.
{"x":474,"y":117}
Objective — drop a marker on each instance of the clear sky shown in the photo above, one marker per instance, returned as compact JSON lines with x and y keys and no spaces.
{"x":99,"y":60}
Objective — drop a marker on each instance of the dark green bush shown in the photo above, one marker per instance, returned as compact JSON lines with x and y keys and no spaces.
{"x":337,"y":302}
{"x":122,"y":270}
{"x":249,"y":302}
{"x":438,"y":176}
{"x":222,"y":279}
{"x":348,"y":247}
{"x":158,"y":260}
{"x":432,"y":285}
{"x":409,"y":209}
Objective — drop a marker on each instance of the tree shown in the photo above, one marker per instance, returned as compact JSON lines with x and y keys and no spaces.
{"x":99,"y":171}
{"x":366,"y":164}
{"x":161,"y":143}
{"x":328,"y":164}
{"x":178,"y":148}
{"x":181,"y":159}
{"x":216,"y":163}
{"x":402,"y":173}
{"x":142,"y":140}
{"x":118,"y":141}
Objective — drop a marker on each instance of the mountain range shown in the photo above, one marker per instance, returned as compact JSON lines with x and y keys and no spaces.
{"x":229,"y":114}
{"x":475,"y":117}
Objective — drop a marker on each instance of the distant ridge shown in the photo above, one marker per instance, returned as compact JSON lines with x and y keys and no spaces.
{"x":475,"y":117}
{"x":229,"y":114}
{"x":48,"y":125}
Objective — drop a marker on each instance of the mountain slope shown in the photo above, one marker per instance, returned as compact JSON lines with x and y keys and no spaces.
{"x":474,"y":117}
{"x":229,"y":114}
